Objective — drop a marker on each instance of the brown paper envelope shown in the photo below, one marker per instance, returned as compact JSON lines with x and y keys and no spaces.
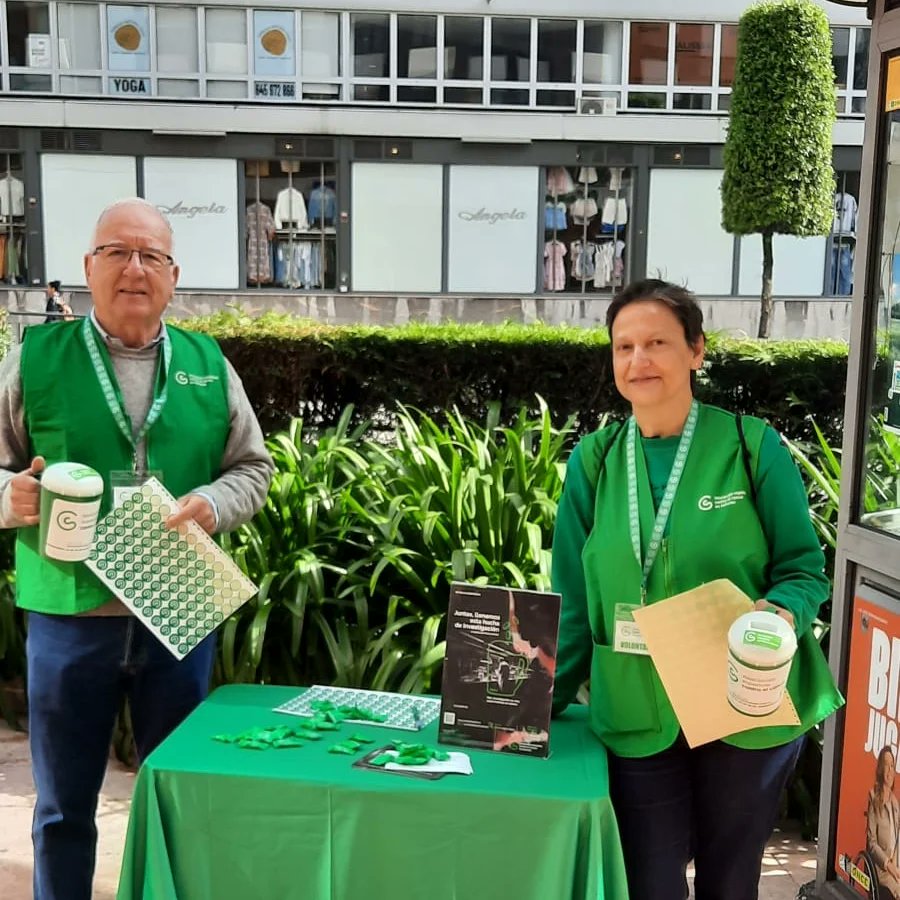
{"x":687,"y":636}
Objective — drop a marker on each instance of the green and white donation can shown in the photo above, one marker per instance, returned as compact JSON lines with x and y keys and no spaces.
{"x":761,"y":647}
{"x":70,"y":504}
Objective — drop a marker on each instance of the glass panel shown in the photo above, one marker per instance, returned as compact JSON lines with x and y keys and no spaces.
{"x":861,"y":59}
{"x":379,"y":92}
{"x":880,"y":506}
{"x":646,"y":100}
{"x":649,"y":53}
{"x":556,"y":50}
{"x":177,"y":87}
{"x":28,"y":38}
{"x":464,"y":43}
{"x":728,"y":55}
{"x":602,"y":62}
{"x":724,"y":101}
{"x":859,"y":105}
{"x":692,"y":101}
{"x":226,"y":42}
{"x":371,"y":44}
{"x":226,"y":90}
{"x":463,"y":95}
{"x":586,"y":215}
{"x":176,"y":39}
{"x":510,"y":50}
{"x":321,"y":45}
{"x":556,"y":98}
{"x":80,"y":84}
{"x":417,"y":47}
{"x":78,"y":25}
{"x":840,"y":51}
{"x":839,"y":269}
{"x":273,"y":43}
{"x":509,"y":97}
{"x":416,"y":94}
{"x":840,"y":104}
{"x":694,"y":54}
{"x":30,"y":83}
{"x":291,"y":222}
{"x":128,"y":38}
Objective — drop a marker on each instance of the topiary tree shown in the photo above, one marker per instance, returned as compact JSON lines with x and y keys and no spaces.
{"x":778,"y":174}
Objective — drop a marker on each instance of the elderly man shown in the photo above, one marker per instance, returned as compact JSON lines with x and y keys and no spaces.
{"x":105,"y":391}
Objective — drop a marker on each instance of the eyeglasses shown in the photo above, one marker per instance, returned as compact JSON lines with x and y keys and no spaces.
{"x":117,"y":255}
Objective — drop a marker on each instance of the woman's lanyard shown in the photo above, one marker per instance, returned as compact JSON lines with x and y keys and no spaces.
{"x":665,"y":507}
{"x":113,"y":395}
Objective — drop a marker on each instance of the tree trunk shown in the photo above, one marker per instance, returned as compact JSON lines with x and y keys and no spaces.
{"x":766,"y":308}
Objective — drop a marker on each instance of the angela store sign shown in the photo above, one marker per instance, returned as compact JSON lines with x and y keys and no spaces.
{"x":485,"y":216}
{"x":180,"y":209}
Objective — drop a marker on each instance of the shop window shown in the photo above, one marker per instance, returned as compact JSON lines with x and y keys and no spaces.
{"x":320,"y":55}
{"x":226,"y":42}
{"x":694,"y":54}
{"x":646,"y":100}
{"x":840,"y":54}
{"x":28,"y":35}
{"x":728,"y":55}
{"x":692,"y":101}
{"x":556,"y":51}
{"x":649,"y":60}
{"x":417,"y":47}
{"x":273,"y":46}
{"x":371,"y":44}
{"x":602,"y":59}
{"x":78,"y":27}
{"x":861,"y":60}
{"x":510,"y":50}
{"x":128,"y":38}
{"x":291,"y":224}
{"x":464,"y":48}
{"x":841,"y":256}
{"x":587,"y":211}
{"x":176,"y":39}
{"x":13,"y":260}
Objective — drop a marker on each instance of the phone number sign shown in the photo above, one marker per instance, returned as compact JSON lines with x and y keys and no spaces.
{"x":274,"y":90}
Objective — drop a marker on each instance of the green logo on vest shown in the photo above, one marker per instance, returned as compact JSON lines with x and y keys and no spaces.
{"x":708,"y":501}
{"x":194,"y":380}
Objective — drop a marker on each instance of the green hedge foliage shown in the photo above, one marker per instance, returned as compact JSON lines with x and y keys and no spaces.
{"x":292,"y":368}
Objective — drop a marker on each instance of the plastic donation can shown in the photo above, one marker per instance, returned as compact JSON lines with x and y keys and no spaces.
{"x":761,"y":647}
{"x":70,"y":504}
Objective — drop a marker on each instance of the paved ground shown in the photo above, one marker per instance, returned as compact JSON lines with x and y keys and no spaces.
{"x":789,"y":862}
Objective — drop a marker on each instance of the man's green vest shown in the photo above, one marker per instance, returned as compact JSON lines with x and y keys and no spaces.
{"x":630,"y":710}
{"x":68,"y":419}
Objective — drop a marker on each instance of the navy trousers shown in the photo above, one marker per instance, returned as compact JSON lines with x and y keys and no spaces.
{"x":715,"y":804}
{"x":79,"y":668}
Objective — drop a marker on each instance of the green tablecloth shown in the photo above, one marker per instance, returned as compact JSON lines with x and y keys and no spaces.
{"x":210,"y":821}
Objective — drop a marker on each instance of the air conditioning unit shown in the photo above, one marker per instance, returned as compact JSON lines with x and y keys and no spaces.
{"x":597,"y":106}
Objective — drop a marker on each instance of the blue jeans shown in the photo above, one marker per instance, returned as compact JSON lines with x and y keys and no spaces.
{"x":841,"y":269}
{"x":79,"y":668}
{"x":715,"y":804}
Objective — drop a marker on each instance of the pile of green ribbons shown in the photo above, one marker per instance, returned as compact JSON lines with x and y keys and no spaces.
{"x":410,"y":755}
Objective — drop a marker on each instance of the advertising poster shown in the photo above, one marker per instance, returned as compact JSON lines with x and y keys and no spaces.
{"x":867,"y":849}
{"x":499,"y":669}
{"x":273,"y":42}
{"x":128,"y":29}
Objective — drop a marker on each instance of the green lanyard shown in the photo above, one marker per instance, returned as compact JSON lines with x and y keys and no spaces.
{"x":113,"y":396}
{"x":662,"y":515}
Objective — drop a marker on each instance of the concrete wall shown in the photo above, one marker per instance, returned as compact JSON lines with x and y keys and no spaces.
{"x":794,"y":318}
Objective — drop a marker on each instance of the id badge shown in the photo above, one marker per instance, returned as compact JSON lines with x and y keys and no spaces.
{"x":628,"y":637}
{"x":125,"y":482}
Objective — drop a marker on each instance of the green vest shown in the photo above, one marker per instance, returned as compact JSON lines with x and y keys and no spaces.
{"x":630,"y":710}
{"x":68,"y":419}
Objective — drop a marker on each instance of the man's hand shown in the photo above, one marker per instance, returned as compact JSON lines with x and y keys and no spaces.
{"x":25,"y":492}
{"x":766,"y":606}
{"x":195,"y":507}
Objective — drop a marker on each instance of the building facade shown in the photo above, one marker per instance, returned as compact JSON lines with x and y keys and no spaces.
{"x":371,"y":161}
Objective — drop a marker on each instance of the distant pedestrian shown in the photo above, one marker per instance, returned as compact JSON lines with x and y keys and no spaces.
{"x":56,"y":307}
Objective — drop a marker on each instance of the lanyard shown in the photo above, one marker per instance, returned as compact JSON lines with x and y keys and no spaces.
{"x":113,"y":396}
{"x":665,"y":507}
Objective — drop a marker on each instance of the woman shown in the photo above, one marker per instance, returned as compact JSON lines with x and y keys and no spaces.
{"x":883,"y":826}
{"x":636,"y":525}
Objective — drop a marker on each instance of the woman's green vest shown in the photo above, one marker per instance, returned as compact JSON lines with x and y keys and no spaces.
{"x":68,"y":419}
{"x":630,"y":710}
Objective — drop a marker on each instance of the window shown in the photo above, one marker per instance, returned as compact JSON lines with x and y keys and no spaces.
{"x":464,"y":43}
{"x":320,"y":55}
{"x":840,"y":53}
{"x":602,"y":58}
{"x":861,"y":59}
{"x":273,"y":43}
{"x":649,"y":53}
{"x":78,"y":27}
{"x":417,"y":47}
{"x":226,"y":42}
{"x":556,"y":51}
{"x":176,"y":39}
{"x":291,"y":224}
{"x":694,"y":54}
{"x":510,"y":50}
{"x":371,"y":45}
{"x":28,"y":44}
{"x":728,"y":55}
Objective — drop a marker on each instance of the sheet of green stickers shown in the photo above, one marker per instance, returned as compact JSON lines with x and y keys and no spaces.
{"x":178,"y":582}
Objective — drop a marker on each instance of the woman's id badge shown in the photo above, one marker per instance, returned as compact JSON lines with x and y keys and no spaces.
{"x":628,"y":637}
